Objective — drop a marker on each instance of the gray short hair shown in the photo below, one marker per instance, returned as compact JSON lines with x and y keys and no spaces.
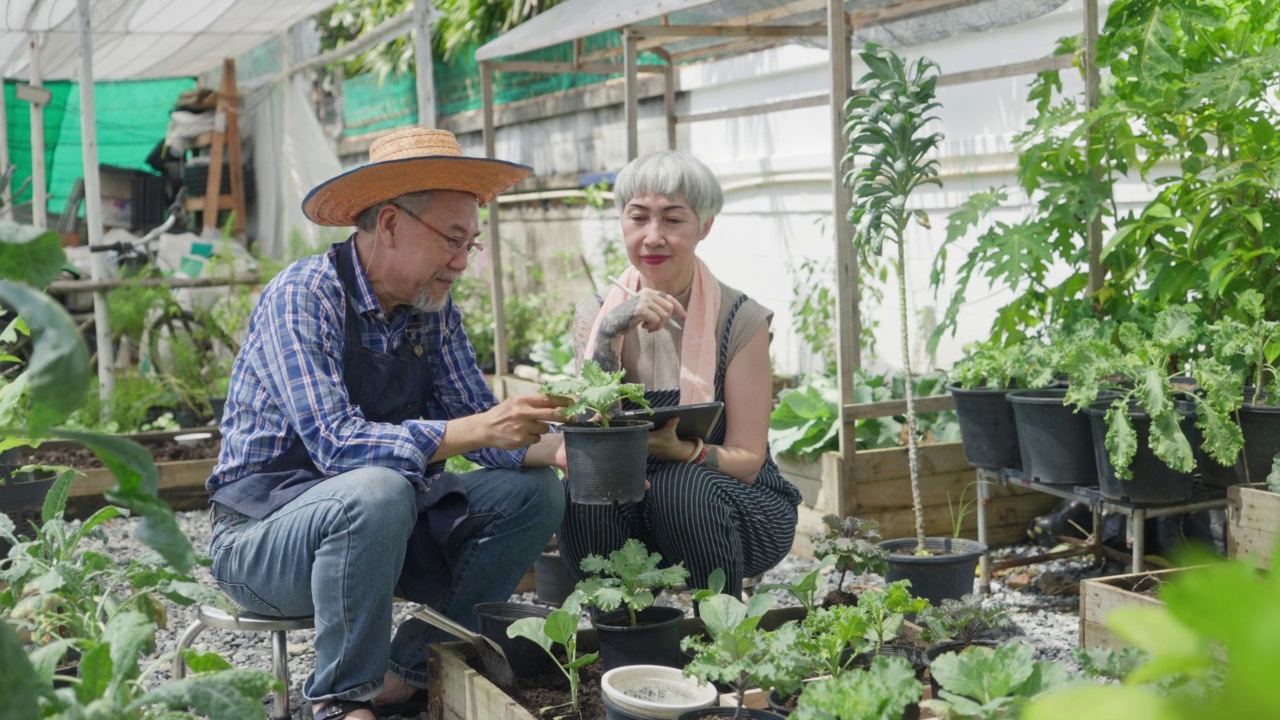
{"x":670,"y":173}
{"x":416,"y":203}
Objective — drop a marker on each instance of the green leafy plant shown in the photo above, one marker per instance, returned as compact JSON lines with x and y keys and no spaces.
{"x":1138,"y":369}
{"x":1253,"y":343}
{"x":853,"y":543}
{"x":882,"y":692}
{"x":738,"y":653}
{"x":559,"y":628}
{"x":805,"y":590}
{"x":886,"y":611}
{"x":964,"y":620}
{"x":885,"y":126}
{"x":995,"y":365}
{"x":1108,"y":663}
{"x":962,"y":508}
{"x":832,"y":637}
{"x":596,"y":391}
{"x":992,"y":683}
{"x":628,"y":577}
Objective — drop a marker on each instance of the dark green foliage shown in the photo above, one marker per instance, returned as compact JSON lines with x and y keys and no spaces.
{"x":596,"y":391}
{"x":628,"y":577}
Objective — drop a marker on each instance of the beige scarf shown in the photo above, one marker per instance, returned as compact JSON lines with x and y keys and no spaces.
{"x":698,"y":347}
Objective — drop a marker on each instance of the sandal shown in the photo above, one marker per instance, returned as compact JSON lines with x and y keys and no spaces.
{"x":337,"y":709}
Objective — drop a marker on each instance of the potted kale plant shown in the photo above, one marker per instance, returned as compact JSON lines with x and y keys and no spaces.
{"x":1254,"y":344}
{"x":559,"y":628}
{"x":894,"y":156}
{"x":605,"y":460}
{"x":631,"y":630}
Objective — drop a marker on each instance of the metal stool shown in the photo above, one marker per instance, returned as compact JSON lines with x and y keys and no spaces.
{"x":208,"y":616}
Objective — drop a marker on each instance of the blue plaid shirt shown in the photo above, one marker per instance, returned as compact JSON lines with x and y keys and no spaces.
{"x":287,"y":382}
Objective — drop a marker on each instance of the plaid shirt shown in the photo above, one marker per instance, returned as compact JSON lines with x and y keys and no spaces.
{"x":287,"y":382}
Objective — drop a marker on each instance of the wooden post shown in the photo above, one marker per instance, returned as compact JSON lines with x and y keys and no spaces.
{"x":494,"y":245}
{"x":847,"y":290}
{"x":39,"y":191}
{"x":6,"y":196}
{"x":631,"y":106}
{"x":423,"y":63}
{"x":669,"y":102}
{"x":1091,"y":83}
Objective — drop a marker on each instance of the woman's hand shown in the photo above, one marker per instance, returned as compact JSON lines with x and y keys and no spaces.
{"x":649,"y":309}
{"x":664,"y":444}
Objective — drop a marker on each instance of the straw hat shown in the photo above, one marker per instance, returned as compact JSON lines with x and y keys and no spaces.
{"x":411,"y":160}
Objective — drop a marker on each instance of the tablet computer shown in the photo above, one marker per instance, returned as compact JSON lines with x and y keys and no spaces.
{"x":695,"y":420}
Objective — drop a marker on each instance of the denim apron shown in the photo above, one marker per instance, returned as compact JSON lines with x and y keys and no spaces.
{"x":388,"y":389}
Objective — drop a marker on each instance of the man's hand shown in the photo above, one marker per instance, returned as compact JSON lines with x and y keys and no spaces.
{"x":521,"y":420}
{"x":511,"y":424}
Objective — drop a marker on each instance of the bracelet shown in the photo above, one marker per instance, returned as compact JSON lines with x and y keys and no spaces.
{"x":699,"y":452}
{"x":702,"y":454}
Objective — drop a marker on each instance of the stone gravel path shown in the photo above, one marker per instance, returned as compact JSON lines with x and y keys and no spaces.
{"x":1048,"y":621}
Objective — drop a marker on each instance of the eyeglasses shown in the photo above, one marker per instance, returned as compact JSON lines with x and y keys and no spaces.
{"x":456,"y":244}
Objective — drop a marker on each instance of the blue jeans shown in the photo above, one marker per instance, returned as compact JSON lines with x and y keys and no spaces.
{"x":336,"y":553}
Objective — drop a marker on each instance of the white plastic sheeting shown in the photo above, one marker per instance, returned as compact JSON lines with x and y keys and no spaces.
{"x":141,"y":38}
{"x":579,"y":18}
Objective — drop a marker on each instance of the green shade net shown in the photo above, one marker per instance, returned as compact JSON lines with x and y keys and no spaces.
{"x":371,"y":103}
{"x":132,"y":117}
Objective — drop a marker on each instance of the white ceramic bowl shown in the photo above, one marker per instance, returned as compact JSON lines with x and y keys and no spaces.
{"x":655,"y":691}
{"x":192,"y":438}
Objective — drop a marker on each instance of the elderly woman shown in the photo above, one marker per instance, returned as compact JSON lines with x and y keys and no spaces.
{"x":718,"y":504}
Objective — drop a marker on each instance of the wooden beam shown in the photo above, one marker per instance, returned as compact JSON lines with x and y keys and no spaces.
{"x":669,"y":103}
{"x":691,"y":31}
{"x":1092,"y":82}
{"x":728,"y":48}
{"x":902,"y":11}
{"x":494,"y":240}
{"x":848,"y":322}
{"x":538,"y":66}
{"x":63,"y":287}
{"x":885,"y":408}
{"x":760,"y":109}
{"x":631,"y":105}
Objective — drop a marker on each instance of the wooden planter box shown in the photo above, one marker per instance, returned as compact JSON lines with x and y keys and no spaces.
{"x":1099,"y":596}
{"x":459,"y":692}
{"x":877,"y":486}
{"x":181,"y":484}
{"x":1253,"y":522}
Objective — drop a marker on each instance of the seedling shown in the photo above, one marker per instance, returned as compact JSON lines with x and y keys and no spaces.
{"x":628,"y":578}
{"x":852,"y":541}
{"x":962,"y":508}
{"x":963,"y":620}
{"x":804,"y":590}
{"x":883,"y":692}
{"x":595,"y":391}
{"x":739,"y":654}
{"x":887,"y":610}
{"x":558,"y":628}
{"x":833,"y":636}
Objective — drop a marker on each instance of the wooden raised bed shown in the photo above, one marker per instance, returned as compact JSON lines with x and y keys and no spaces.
{"x":878,"y":488}
{"x":1099,"y":596}
{"x":1253,"y":522}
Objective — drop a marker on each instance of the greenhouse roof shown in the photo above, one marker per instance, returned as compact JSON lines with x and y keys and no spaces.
{"x":141,"y":38}
{"x":896,"y":23}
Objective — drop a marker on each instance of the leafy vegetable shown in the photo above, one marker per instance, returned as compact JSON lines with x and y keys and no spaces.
{"x":964,"y":620}
{"x":880,"y":693}
{"x":991,"y":684}
{"x":558,"y":628}
{"x":627,"y":577}
{"x":853,"y":543}
{"x":596,"y":390}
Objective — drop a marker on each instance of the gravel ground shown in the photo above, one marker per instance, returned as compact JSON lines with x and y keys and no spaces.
{"x":1042,"y":598}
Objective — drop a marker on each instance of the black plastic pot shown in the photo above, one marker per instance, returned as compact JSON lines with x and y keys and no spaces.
{"x":777,"y":703}
{"x":22,"y":498}
{"x":654,"y":640}
{"x":1055,"y":442}
{"x":1153,"y":481}
{"x":988,"y":431}
{"x":952,"y":646}
{"x":947,"y":572}
{"x":606,"y":465}
{"x":1261,"y":427}
{"x":553,"y":582}
{"x":728,"y":712}
{"x":526,"y":658}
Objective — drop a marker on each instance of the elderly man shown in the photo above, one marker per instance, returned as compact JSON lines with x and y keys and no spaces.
{"x":355,"y":383}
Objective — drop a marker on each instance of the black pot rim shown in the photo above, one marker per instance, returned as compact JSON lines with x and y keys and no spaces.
{"x":1099,"y":408}
{"x":1038,"y":396}
{"x":602,"y":621}
{"x":617,"y":426}
{"x":956,"y":389}
{"x":965,"y":550}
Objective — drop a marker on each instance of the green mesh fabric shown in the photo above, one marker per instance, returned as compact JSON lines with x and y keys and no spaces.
{"x":132,"y":117}
{"x":371,"y":104}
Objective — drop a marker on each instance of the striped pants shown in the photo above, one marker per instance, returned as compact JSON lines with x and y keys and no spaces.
{"x":692,"y":515}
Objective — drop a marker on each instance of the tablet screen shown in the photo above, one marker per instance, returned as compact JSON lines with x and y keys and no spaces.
{"x":695,"y":420}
